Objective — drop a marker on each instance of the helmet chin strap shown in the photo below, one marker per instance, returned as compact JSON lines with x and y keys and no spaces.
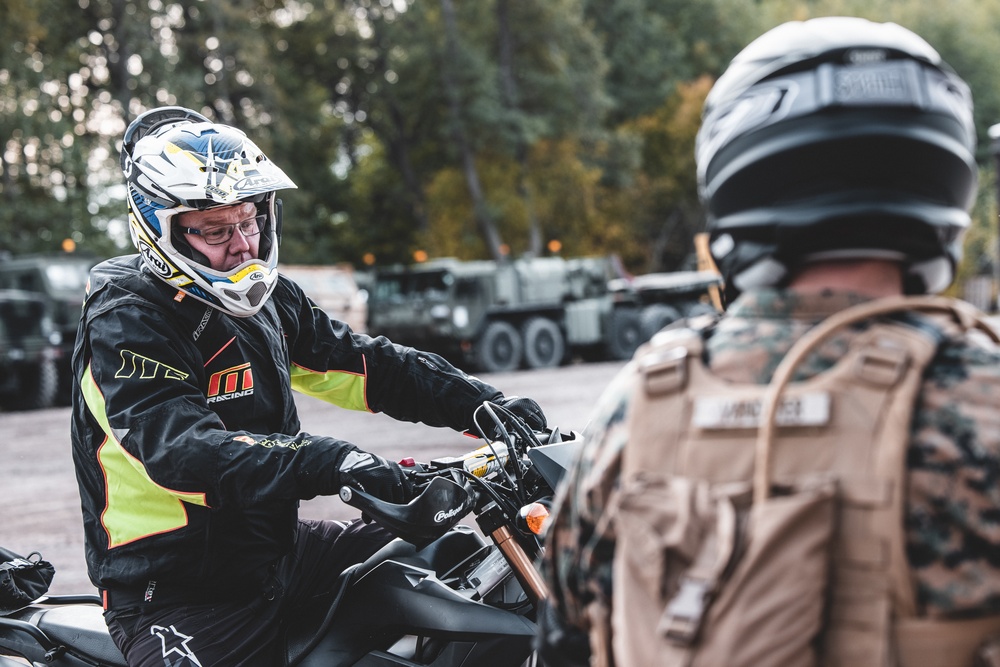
{"x":277,"y":220}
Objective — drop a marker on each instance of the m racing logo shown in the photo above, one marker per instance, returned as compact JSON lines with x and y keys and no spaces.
{"x":234,"y":382}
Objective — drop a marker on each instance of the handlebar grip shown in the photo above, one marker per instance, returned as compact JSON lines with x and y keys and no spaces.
{"x":441,"y":504}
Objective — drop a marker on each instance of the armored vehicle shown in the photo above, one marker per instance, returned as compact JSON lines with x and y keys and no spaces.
{"x":535,"y":313}
{"x":28,"y":352}
{"x":60,"y":280}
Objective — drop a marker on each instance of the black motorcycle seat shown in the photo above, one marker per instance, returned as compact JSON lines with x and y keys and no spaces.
{"x":81,"y":626}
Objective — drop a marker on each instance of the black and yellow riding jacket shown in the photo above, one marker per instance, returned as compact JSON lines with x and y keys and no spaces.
{"x":185,"y":432}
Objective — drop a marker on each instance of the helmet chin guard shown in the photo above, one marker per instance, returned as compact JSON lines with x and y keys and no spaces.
{"x":174,"y":161}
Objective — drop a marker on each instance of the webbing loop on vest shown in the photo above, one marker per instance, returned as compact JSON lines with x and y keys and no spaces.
{"x":665,"y":373}
{"x":882,"y":366}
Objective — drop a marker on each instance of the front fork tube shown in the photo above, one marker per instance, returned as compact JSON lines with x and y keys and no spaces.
{"x":493,"y":523}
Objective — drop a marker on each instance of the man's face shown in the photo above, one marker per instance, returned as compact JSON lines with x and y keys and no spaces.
{"x":228,"y":254}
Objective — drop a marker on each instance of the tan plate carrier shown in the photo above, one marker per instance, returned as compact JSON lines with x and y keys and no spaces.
{"x":763,"y":525}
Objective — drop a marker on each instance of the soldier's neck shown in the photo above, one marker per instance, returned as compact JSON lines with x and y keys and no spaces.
{"x":870,"y":277}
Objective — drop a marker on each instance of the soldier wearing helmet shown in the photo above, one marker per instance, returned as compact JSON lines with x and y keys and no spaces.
{"x":186,"y":439}
{"x":836,"y":164}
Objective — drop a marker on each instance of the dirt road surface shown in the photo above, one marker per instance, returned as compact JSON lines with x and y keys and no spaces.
{"x":40,"y":505}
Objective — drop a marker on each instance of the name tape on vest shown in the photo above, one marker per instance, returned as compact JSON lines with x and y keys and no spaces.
{"x":721,"y":412}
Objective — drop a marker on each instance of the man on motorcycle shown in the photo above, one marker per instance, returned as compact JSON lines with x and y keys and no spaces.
{"x":185,"y":433}
{"x":836,"y":160}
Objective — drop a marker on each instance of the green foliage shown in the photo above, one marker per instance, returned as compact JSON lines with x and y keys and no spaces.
{"x":575,"y":117}
{"x":670,"y":213}
{"x":653,"y":45}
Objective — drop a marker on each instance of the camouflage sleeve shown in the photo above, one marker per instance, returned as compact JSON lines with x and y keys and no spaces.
{"x":581,"y":539}
{"x":953,"y":503}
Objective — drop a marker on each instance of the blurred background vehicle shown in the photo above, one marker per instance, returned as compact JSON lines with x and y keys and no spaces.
{"x":59,"y":281}
{"x":29,"y":350}
{"x":532,"y":312}
{"x":334,"y":289}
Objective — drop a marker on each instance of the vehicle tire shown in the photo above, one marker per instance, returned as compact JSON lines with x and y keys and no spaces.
{"x":37,"y":387}
{"x":499,"y":348}
{"x":544,"y":345}
{"x":656,"y":316}
{"x":697,"y":309}
{"x":624,"y":334}
{"x":64,"y":383}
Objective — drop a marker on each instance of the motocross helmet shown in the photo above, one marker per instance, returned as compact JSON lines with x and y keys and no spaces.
{"x":836,"y":138}
{"x":176,"y":160}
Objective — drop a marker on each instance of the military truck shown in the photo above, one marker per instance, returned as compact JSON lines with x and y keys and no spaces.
{"x":533,"y":312}
{"x":28,"y":352}
{"x":663,"y":298}
{"x":60,"y":281}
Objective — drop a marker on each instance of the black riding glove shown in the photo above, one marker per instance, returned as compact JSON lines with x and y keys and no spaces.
{"x":526,"y":409}
{"x":376,"y":476}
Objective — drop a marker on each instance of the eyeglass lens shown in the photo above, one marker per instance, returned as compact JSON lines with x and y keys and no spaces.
{"x":220,"y":235}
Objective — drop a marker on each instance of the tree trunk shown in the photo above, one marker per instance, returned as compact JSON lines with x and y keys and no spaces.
{"x":512,"y":99}
{"x":118,"y":61}
{"x":484,"y":221}
{"x":396,"y":139}
{"x":661,"y":240}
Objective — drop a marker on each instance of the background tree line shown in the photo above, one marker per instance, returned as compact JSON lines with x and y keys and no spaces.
{"x":470,"y":129}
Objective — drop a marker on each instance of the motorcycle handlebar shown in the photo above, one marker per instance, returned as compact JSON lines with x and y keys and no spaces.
{"x":450,"y":486}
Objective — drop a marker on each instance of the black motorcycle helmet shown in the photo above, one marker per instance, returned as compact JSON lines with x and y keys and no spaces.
{"x":834,"y":138}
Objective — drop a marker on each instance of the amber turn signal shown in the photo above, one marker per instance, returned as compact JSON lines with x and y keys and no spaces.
{"x":534,"y":516}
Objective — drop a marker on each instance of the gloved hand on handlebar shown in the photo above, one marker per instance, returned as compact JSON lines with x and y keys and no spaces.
{"x":376,"y":476}
{"x":526,"y":409}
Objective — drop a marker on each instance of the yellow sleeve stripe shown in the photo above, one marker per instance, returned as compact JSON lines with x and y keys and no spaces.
{"x":136,"y":506}
{"x":341,"y":388}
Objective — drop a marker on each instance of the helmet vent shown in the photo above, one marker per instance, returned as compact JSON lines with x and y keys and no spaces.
{"x":256,"y":293}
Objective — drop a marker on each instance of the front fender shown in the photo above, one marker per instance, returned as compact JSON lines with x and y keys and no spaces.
{"x":395,"y":599}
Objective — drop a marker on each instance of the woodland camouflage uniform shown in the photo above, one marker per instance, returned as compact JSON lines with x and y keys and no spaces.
{"x":953,"y":461}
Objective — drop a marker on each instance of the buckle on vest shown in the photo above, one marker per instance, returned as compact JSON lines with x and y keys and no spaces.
{"x":682,"y":618}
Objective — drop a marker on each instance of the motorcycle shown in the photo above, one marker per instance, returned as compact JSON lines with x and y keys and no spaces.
{"x":439,"y":594}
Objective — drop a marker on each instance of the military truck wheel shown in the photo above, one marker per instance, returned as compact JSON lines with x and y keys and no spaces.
{"x":697,"y":309}
{"x":37,"y":387}
{"x":544,"y":346}
{"x":499,"y":348}
{"x":656,"y":316}
{"x":64,"y":383}
{"x":624,"y":334}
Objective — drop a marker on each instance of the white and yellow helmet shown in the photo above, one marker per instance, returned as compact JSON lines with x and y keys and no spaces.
{"x":176,"y":160}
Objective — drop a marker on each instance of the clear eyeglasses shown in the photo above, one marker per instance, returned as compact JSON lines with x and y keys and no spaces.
{"x":222,"y":234}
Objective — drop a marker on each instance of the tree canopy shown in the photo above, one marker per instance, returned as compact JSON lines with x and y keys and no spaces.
{"x":469,"y":129}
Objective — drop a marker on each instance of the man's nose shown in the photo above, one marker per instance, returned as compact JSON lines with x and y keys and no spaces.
{"x":238,"y":243}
